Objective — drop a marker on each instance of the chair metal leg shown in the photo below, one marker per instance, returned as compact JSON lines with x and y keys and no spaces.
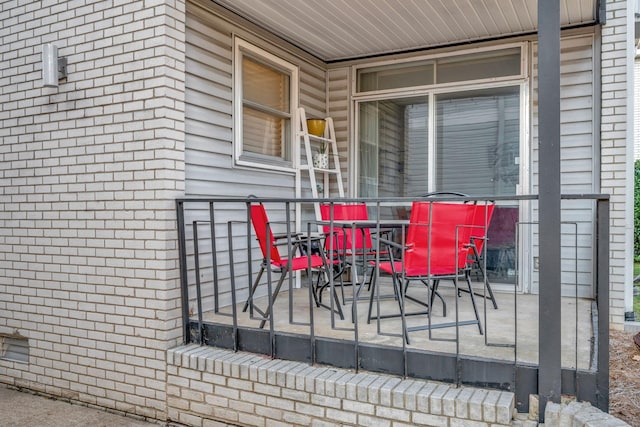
{"x":372,"y":289}
{"x":435,"y":293}
{"x":398,"y":296}
{"x":341,"y":272}
{"x":476,"y":260}
{"x":320,"y":289}
{"x":338,"y":275}
{"x":488,"y":285}
{"x":272,"y":299}
{"x":336,"y":300}
{"x":428,"y":304}
{"x":329,"y":274}
{"x":253,"y":289}
{"x":467,"y":276}
{"x":317,"y":289}
{"x":459,"y":323}
{"x":367,"y":280}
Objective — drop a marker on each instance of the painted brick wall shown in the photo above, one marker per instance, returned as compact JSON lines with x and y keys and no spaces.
{"x":213,"y":387}
{"x":88,"y":177}
{"x":89,"y":173}
{"x":617,"y":151}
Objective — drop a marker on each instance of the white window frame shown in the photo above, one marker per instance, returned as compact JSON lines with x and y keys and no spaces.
{"x":260,"y":55}
{"x":434,"y":57}
{"x":521,"y":80}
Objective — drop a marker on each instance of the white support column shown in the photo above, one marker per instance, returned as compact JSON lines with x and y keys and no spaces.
{"x":630,"y":173}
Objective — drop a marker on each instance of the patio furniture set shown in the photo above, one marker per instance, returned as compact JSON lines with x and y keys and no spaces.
{"x":441,"y":241}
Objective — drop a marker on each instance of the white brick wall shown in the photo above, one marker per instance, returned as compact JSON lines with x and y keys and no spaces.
{"x":616,"y":155}
{"x":208,"y":386}
{"x":88,"y":176}
{"x":578,"y":414}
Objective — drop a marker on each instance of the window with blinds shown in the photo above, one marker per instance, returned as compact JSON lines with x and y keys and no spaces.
{"x":460,"y":132}
{"x":474,"y":150}
{"x":265,"y":86}
{"x":478,"y":132}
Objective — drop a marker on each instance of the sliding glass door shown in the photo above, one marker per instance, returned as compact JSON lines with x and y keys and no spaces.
{"x":448,"y":122}
{"x":393,"y":149}
{"x":475,"y":148}
{"x":478,"y":141}
{"x":464,"y":142}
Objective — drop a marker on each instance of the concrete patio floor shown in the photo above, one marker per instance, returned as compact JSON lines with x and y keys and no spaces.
{"x":513,"y":326}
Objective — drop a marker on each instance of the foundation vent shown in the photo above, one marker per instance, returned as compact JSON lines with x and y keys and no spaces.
{"x":14,"y":347}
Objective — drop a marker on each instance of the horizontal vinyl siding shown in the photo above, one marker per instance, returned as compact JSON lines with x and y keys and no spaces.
{"x":577,"y":161}
{"x":312,"y":90}
{"x":208,"y":109}
{"x":576,"y":116}
{"x":209,"y":151}
{"x":313,"y":100}
{"x":338,"y":89}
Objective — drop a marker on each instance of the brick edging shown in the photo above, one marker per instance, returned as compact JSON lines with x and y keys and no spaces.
{"x":579,"y":414}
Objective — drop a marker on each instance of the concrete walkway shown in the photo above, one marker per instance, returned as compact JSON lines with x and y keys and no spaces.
{"x":24,"y":409}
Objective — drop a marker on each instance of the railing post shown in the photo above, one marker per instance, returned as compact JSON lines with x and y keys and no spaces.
{"x":196,"y":262}
{"x":214,"y":259}
{"x":184,"y":288}
{"x":602,"y":298}
{"x":550,"y":338}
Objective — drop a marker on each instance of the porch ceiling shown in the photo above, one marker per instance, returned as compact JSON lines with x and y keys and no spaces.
{"x":334,"y":30}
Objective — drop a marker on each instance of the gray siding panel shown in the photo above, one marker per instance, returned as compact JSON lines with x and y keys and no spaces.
{"x":208,"y":107}
{"x":313,"y":90}
{"x":338,"y":96}
{"x":209,"y":162}
{"x":577,"y":155}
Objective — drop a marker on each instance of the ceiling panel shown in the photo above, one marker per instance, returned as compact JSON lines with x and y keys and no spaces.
{"x":342,"y":29}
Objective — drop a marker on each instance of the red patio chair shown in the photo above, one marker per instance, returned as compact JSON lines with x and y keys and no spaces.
{"x":344,"y":240}
{"x":278,"y":264}
{"x":342,"y":244}
{"x":436,"y":248}
{"x":481,"y":220}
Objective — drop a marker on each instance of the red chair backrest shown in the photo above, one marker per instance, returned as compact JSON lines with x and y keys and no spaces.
{"x":502,"y":230}
{"x":438,"y":234}
{"x":481,"y":220}
{"x":260,"y":223}
{"x":418,"y":234}
{"x":338,"y":233}
{"x":344,"y":237}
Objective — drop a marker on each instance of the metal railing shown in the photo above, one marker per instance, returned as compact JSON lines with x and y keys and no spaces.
{"x":219,"y":261}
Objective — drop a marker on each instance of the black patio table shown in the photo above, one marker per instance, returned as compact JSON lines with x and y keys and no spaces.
{"x":359,"y":226}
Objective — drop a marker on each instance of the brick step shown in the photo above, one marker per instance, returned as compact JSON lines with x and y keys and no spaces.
{"x":252,"y":389}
